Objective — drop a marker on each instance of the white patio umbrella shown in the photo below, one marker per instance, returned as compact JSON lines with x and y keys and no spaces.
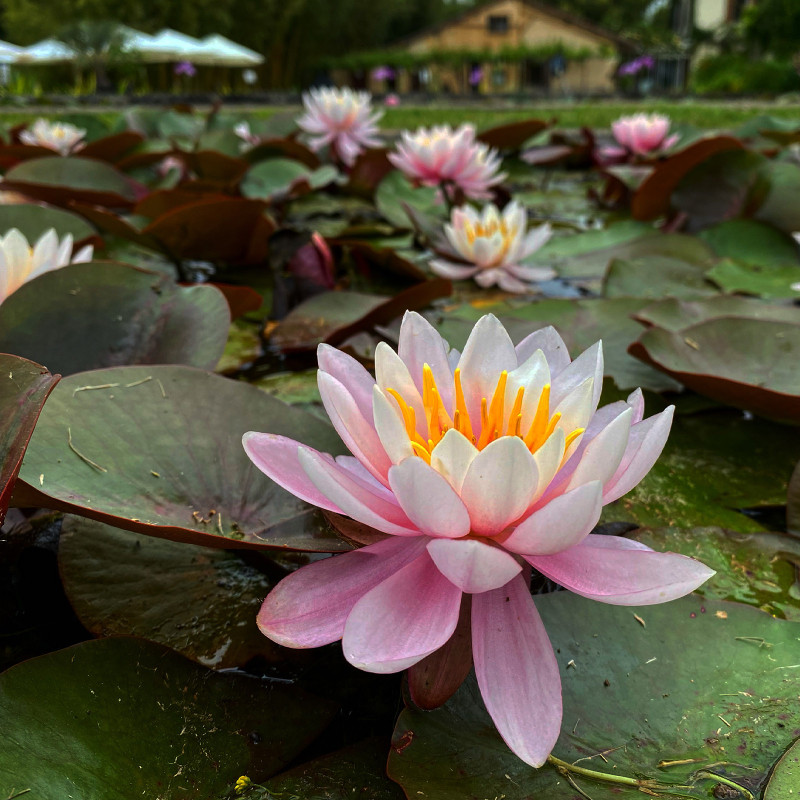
{"x":222,"y":52}
{"x":48,"y":51}
{"x":178,"y":46}
{"x":9,"y":52}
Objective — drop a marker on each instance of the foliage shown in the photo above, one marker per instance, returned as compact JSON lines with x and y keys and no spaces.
{"x":739,"y":74}
{"x":771,"y":26}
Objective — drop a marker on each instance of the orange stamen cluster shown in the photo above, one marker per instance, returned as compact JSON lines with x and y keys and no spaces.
{"x":494,"y":422}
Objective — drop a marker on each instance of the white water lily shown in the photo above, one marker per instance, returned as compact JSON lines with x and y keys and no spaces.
{"x":62,"y":137}
{"x":20,"y":262}
{"x":494,"y":245}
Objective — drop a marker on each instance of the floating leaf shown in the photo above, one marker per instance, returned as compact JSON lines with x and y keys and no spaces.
{"x":690,"y":696}
{"x":751,"y":241}
{"x":198,"y":601}
{"x":656,"y":277}
{"x":24,"y":387}
{"x":747,"y":363}
{"x":395,"y":193}
{"x":714,"y":464}
{"x":112,"y":148}
{"x":278,"y":178}
{"x":156,"y":449}
{"x":653,"y":197}
{"x":674,"y":315}
{"x":513,"y":135}
{"x":109,"y":314}
{"x":332,"y":317}
{"x":763,"y":281}
{"x":61,"y":180}
{"x":118,"y":718}
{"x":34,"y":220}
{"x":780,"y":208}
{"x":785,"y":778}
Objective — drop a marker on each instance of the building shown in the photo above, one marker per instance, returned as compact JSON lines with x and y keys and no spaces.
{"x":502,"y":47}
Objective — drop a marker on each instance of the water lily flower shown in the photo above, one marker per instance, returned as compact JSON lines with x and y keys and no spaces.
{"x":341,"y":118}
{"x":20,"y":263}
{"x":62,"y":137}
{"x":441,"y":155}
{"x":478,"y":466}
{"x":493,"y":244}
{"x":643,"y":133}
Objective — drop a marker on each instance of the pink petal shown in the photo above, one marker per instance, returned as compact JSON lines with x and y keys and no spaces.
{"x":614,"y":573}
{"x":550,"y":343}
{"x":276,"y":457}
{"x":356,"y":498}
{"x":472,"y":565}
{"x":428,"y":499}
{"x":603,"y":454}
{"x":421,"y":344}
{"x":645,"y":443}
{"x":357,"y":431}
{"x":349,"y":373}
{"x":517,"y":670}
{"x":453,"y":272}
{"x":499,"y":485}
{"x":309,"y":607}
{"x":561,"y":524}
{"x":434,"y":680}
{"x":588,"y":364}
{"x":405,"y":618}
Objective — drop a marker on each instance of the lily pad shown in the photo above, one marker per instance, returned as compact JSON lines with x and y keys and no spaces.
{"x":679,"y":700}
{"x":513,"y":135}
{"x":713,"y":465}
{"x":33,"y":221}
{"x":198,"y":601}
{"x":747,"y":363}
{"x":785,"y":778}
{"x":656,"y":277}
{"x":110,"y":314}
{"x":61,"y":180}
{"x":157,"y":449}
{"x":395,"y":193}
{"x":780,"y":207}
{"x":751,"y":241}
{"x":674,"y":315}
{"x":762,"y":281}
{"x":24,"y":387}
{"x":121,"y":718}
{"x":277,"y":178}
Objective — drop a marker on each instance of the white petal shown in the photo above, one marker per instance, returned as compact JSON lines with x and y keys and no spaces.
{"x":473,"y":566}
{"x":390,"y":428}
{"x":604,"y":453}
{"x":452,"y":456}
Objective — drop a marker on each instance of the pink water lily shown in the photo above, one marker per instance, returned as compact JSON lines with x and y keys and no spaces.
{"x":643,"y":133}
{"x":479,"y":466}
{"x":342,"y":119}
{"x":440,"y":155}
{"x":491,"y":246}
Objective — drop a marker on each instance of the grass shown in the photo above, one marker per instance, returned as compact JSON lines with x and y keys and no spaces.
{"x":590,"y":113}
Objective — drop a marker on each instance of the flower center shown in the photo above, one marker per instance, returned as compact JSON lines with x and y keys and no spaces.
{"x":495,"y":419}
{"x":486,"y":230}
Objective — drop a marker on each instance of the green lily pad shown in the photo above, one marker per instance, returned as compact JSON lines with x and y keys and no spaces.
{"x":111,"y":314}
{"x":674,"y":315}
{"x":198,"y":601}
{"x":677,"y":698}
{"x":33,"y":221}
{"x":395,"y":192}
{"x":713,"y":464}
{"x":751,"y":241}
{"x":61,"y":180}
{"x":580,"y":322}
{"x":157,"y":449}
{"x":755,"y":279}
{"x":24,"y":386}
{"x":781,"y":207}
{"x":279,"y":177}
{"x":122,"y":718}
{"x":758,"y":569}
{"x":785,"y":779}
{"x":747,"y":363}
{"x":242,"y":348}
{"x":656,"y":277}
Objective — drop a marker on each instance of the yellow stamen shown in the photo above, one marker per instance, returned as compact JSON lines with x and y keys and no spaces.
{"x":540,"y":418}
{"x":421,"y":452}
{"x":464,"y":422}
{"x":572,"y":437}
{"x":515,"y":419}
{"x":493,"y":423}
{"x":551,"y":426}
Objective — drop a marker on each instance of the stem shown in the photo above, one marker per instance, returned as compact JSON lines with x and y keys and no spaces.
{"x":445,"y":186}
{"x":601,"y":776}
{"x":704,"y":773}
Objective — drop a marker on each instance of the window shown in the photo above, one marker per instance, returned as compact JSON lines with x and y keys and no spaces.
{"x":497,"y":24}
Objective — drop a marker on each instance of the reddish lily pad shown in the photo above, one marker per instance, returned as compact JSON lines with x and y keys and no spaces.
{"x":332,"y":317}
{"x":112,"y":148}
{"x":702,"y":689}
{"x":512,"y":135}
{"x":118,"y":718}
{"x":59,"y":181}
{"x":158,"y":450}
{"x":653,"y":197}
{"x":110,"y":314}
{"x":747,"y":363}
{"x":198,"y":601}
{"x":371,"y":167}
{"x":24,"y":387}
{"x":282,"y":148}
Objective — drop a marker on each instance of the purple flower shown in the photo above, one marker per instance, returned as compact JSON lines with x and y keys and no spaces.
{"x":185,"y":68}
{"x":383,"y":74}
{"x":475,"y":76}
